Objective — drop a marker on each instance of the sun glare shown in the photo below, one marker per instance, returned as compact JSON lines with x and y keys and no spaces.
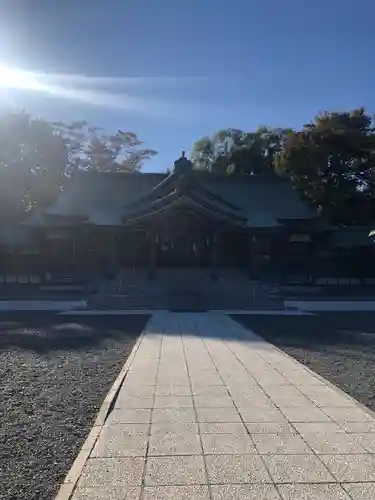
{"x":18,"y":79}
{"x":52,"y":85}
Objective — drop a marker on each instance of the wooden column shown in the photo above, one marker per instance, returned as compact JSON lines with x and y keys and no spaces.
{"x":43,"y":257}
{"x":152,"y":255}
{"x":112,"y":254}
{"x":283,"y":242}
{"x":214,"y":256}
{"x":361,"y":265}
{"x":134,"y":238}
{"x":312,"y":253}
{"x":73,"y":255}
{"x":251,"y":255}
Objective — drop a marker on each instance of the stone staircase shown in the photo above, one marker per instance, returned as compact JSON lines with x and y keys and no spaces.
{"x":183,"y":290}
{"x":130,"y":289}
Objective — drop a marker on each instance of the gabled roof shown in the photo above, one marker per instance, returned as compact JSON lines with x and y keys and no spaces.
{"x":188,"y":202}
{"x":183,"y":191}
{"x":112,"y":198}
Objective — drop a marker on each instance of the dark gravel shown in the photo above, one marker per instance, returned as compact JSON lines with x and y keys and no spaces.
{"x":54,"y":375}
{"x":338,"y":346}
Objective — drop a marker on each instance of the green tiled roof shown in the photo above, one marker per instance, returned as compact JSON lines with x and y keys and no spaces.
{"x":351,"y":237}
{"x":106,"y":199}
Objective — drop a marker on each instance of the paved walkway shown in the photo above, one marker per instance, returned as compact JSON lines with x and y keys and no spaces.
{"x":209,"y":411}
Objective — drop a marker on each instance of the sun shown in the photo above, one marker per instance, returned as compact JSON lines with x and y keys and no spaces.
{"x":12,"y":78}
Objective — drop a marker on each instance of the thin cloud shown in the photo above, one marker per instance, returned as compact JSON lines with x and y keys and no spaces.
{"x":82,"y":89}
{"x":99,"y":98}
{"x":121,"y":102}
{"x":136,"y":81}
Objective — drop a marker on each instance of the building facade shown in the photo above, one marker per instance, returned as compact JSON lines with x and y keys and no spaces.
{"x":104,"y":222}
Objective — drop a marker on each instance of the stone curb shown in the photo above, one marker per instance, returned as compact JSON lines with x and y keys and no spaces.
{"x":126,"y":312}
{"x":321,"y":306}
{"x":67,"y":487}
{"x":107,"y":312}
{"x":41,"y":305}
{"x":263,"y":312}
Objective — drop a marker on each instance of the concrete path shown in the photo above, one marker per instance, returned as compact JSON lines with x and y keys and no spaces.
{"x":210,"y":411}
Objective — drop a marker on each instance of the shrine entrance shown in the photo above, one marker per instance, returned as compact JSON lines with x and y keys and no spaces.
{"x":183,"y":220}
{"x":183,"y":250}
{"x":182,"y":240}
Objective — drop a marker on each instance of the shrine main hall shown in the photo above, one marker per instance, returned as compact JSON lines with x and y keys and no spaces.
{"x":105,"y":222}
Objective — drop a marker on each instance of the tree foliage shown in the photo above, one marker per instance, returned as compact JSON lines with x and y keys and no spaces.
{"x":37,"y":157}
{"x":236,"y":151}
{"x":33,"y":159}
{"x":90,"y":148}
{"x":330,"y":160}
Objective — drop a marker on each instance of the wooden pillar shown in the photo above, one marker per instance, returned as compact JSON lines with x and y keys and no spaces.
{"x":283,"y":246}
{"x":43,"y":257}
{"x":134,"y":238}
{"x":252,"y":256}
{"x":73,"y":256}
{"x":249,"y":248}
{"x":312,"y":253}
{"x":78,"y":242}
{"x":214,"y":256}
{"x":112,"y":255}
{"x":93,"y":267}
{"x":152,"y":255}
{"x":361,"y":265}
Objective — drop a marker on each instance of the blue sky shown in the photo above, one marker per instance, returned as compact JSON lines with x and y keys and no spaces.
{"x":176,"y":71}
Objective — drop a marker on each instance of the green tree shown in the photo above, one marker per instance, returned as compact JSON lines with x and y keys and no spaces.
{"x":214,"y":153}
{"x":37,"y":157}
{"x":90,"y":148}
{"x":33,"y":158}
{"x":236,"y":151}
{"x":255,"y":152}
{"x":332,"y":162}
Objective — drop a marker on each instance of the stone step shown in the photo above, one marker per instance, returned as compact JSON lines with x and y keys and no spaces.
{"x":184,"y":290}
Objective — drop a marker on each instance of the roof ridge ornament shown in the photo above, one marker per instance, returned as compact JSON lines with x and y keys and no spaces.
{"x":183,"y":165}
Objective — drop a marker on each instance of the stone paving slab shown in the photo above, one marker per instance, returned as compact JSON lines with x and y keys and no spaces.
{"x":210,"y":411}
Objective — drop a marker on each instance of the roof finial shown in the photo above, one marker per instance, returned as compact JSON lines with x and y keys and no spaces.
{"x":182,"y":165}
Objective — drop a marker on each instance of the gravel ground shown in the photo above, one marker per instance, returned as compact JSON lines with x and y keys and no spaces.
{"x":54,"y":375}
{"x":338,"y":346}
